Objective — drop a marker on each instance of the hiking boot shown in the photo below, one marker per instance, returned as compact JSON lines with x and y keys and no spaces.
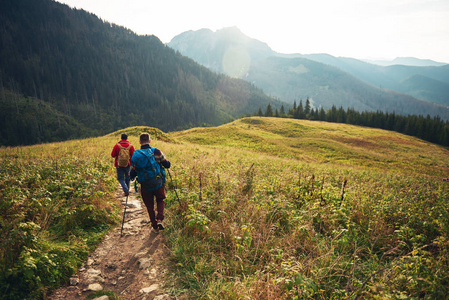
{"x":160,"y":226}
{"x":155,"y":230}
{"x":126,"y":194}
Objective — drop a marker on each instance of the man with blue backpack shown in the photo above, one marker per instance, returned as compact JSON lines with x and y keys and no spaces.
{"x":148,"y":165}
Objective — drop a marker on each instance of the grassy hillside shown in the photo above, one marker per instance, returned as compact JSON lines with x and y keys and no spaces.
{"x":268,"y":209}
{"x":326,"y":143}
{"x":281,"y":209}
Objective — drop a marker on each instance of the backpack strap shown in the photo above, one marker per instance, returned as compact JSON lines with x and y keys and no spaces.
{"x":154,"y":171}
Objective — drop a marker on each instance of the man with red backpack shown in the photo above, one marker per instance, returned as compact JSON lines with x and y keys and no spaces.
{"x":122,"y":152}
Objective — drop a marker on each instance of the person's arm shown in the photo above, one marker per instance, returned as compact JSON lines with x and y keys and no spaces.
{"x":166,"y":164}
{"x":115,"y":151}
{"x":161,"y":159}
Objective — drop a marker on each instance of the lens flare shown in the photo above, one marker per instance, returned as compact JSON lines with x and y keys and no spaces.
{"x":236,"y":62}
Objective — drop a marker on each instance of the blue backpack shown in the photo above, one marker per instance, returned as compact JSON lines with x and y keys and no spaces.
{"x":150,"y":174}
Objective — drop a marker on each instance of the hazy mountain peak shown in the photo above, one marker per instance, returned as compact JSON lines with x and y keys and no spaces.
{"x":226,"y":50}
{"x":232,"y":31}
{"x":229,"y":35}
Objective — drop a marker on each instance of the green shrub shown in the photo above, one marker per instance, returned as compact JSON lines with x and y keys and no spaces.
{"x":52,"y":212}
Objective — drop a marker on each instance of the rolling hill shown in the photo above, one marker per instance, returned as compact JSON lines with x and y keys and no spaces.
{"x":289,"y":208}
{"x":325,"y":79}
{"x":323,"y":143}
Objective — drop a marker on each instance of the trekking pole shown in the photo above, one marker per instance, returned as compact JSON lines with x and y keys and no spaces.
{"x":174,"y":186}
{"x":123,"y":222}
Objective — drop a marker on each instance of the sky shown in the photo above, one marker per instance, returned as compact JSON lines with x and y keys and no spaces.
{"x":361,"y":29}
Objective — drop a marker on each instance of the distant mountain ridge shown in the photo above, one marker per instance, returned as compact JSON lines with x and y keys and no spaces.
{"x":103,"y":77}
{"x":329,"y":81}
{"x":394,"y":77}
{"x":407,"y":61}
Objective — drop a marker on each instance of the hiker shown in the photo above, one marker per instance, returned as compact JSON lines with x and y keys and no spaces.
{"x":122,"y":152}
{"x":148,"y":165}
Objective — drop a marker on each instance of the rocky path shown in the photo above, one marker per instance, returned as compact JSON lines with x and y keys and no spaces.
{"x":132,"y":265}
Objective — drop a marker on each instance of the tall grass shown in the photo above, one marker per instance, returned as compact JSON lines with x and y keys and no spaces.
{"x":253,"y":223}
{"x":267,"y":209}
{"x":56,"y":204}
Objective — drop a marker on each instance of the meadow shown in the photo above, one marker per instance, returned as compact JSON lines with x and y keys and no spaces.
{"x":265,"y":208}
{"x":285,"y":209}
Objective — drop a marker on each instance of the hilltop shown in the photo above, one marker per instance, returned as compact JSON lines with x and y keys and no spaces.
{"x":265,"y":208}
{"x":324,"y":143}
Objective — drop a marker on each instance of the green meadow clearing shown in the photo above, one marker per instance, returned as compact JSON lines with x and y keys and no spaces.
{"x":268,"y":208}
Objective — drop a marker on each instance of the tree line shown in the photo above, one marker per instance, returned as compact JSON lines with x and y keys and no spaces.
{"x":434,"y":130}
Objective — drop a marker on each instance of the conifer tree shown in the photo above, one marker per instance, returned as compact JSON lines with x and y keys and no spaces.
{"x":282,"y":112}
{"x":322,"y":114}
{"x":269,"y":111}
{"x":341,"y":115}
{"x":307,"y":108}
{"x":292,"y":111}
{"x":300,"y":110}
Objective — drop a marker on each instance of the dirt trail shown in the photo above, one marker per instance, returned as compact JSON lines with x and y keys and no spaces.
{"x":132,"y":265}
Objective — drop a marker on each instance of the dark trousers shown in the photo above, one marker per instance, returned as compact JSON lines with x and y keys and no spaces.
{"x":148,"y":198}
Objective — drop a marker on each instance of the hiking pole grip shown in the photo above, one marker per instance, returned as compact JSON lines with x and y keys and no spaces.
{"x":123,"y":221}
